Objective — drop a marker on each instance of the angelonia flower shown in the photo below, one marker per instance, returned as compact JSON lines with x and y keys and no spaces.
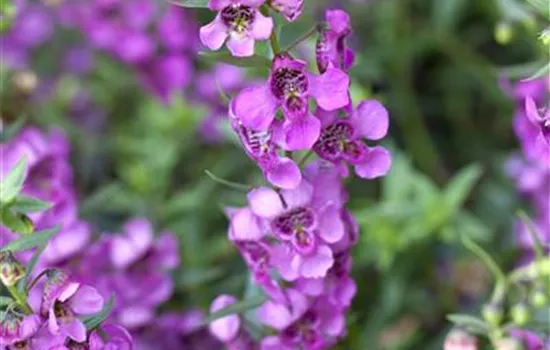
{"x":459,"y":339}
{"x":531,"y":170}
{"x":296,"y":235}
{"x":290,"y":9}
{"x":240,"y":23}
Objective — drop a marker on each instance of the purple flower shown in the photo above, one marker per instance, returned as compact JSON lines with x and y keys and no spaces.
{"x":331,"y":49}
{"x":290,"y":9}
{"x":225,"y":328}
{"x":290,"y":86}
{"x":15,"y":328}
{"x":262,"y":148}
{"x":176,"y":30}
{"x":63,"y":300}
{"x":340,"y":141}
{"x":541,"y":121}
{"x":239,"y":20}
{"x":303,"y":226}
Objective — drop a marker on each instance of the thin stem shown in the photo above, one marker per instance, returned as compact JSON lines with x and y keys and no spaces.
{"x":273,"y":39}
{"x":304,"y":159}
{"x":303,"y":37}
{"x":20,"y":298}
{"x":230,"y":184}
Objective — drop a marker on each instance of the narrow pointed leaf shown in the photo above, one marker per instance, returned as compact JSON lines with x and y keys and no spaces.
{"x":24,"y":204}
{"x":470,"y":323}
{"x":237,"y":308}
{"x":93,"y":321}
{"x":544,"y":71}
{"x":11,"y":185}
{"x":31,"y":241}
{"x":12,"y":130}
{"x":461,"y":185}
{"x":5,"y":300}
{"x":246,"y":62}
{"x":191,"y":3}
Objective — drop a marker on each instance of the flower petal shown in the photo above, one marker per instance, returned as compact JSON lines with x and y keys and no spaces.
{"x":285,"y":174}
{"x":261,"y":27}
{"x":246,"y":226}
{"x":316,"y":265}
{"x":214,"y":34}
{"x":330,"y":89}
{"x":371,"y":120}
{"x":331,"y":227}
{"x":87,"y":300}
{"x":376,"y":164}
{"x":265,"y":202}
{"x":255,"y":107}
{"x":301,"y":134}
{"x":226,"y":328}
{"x":74,"y":329}
{"x":298,"y":197}
{"x":240,"y":45}
{"x":218,"y":5}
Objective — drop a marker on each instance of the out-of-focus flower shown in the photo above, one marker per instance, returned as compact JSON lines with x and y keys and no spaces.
{"x":290,"y":9}
{"x":15,"y":328}
{"x":238,"y":21}
{"x":459,"y":339}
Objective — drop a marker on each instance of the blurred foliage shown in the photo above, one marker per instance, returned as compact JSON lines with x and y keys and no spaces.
{"x":436,"y":64}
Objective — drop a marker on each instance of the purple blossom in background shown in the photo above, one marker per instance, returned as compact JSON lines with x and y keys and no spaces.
{"x":289,"y":87}
{"x":238,"y":21}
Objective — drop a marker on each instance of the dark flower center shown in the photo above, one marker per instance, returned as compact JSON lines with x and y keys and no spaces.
{"x":20,"y":345}
{"x":256,"y":142}
{"x":287,"y":83}
{"x":73,"y":345}
{"x":238,"y":17}
{"x":62,"y":312}
{"x":335,"y":139}
{"x":297,"y":221}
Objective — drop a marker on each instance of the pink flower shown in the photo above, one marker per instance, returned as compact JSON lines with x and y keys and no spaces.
{"x":340,"y":141}
{"x":63,"y":300}
{"x":331,"y":49}
{"x":290,"y":9}
{"x":238,"y":21}
{"x":290,"y":86}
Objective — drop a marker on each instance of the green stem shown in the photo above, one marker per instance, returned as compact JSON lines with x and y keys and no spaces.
{"x":230,"y":184}
{"x":20,"y":298}
{"x":537,"y":244}
{"x":302,"y":37}
{"x":304,"y":159}
{"x":273,"y":39}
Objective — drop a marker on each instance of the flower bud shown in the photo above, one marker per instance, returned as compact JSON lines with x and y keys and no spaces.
{"x":11,"y":270}
{"x":538,"y":297}
{"x":508,"y":344}
{"x":492,"y":313}
{"x":504,"y":33}
{"x":544,"y":36}
{"x":520,"y":314}
{"x":25,"y":81}
{"x":459,"y":339}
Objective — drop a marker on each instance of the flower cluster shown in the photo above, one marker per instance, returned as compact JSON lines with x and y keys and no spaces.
{"x":532,"y":170}
{"x":296,"y":236}
{"x":158,"y":48}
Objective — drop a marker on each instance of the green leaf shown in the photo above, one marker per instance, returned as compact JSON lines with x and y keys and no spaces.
{"x":470,"y":323}
{"x":11,"y":185}
{"x":30,"y":241}
{"x":5,"y":300}
{"x":25,"y":204}
{"x":191,"y":3}
{"x":95,"y":320}
{"x":12,"y":130}
{"x":246,"y":62}
{"x":460,"y":186}
{"x":30,"y":267}
{"x":544,"y":71}
{"x":542,"y":6}
{"x":236,"y":308}
{"x":18,"y":223}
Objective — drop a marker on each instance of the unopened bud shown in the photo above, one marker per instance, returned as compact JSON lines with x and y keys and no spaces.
{"x":544,"y":36}
{"x":19,"y":223}
{"x":520,"y":314}
{"x":459,"y":339}
{"x":492,"y":313}
{"x":504,"y":33}
{"x":508,"y":344}
{"x":538,"y":298}
{"x":11,"y":271}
